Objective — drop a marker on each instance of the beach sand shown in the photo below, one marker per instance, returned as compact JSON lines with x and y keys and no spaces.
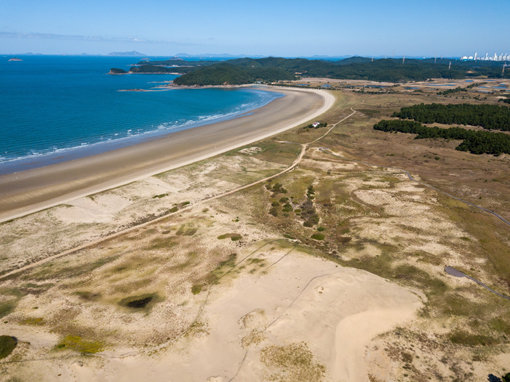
{"x":33,"y":190}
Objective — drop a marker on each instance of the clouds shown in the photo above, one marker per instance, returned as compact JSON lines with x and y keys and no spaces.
{"x":73,"y":37}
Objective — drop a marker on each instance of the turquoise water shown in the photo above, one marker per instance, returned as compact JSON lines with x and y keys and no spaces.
{"x":55,"y":108}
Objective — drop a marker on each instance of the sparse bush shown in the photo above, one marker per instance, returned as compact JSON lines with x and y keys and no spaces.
{"x":196,"y":289}
{"x":318,"y":236}
{"x":287,"y":207}
{"x":7,"y":345}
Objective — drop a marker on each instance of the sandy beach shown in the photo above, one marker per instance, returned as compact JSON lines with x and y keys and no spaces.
{"x":32,"y":190}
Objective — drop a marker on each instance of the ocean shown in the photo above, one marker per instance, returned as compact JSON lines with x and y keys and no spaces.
{"x":57,"y":108}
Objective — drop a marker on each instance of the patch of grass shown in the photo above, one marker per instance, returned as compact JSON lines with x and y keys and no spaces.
{"x":159,"y":196}
{"x":7,"y":307}
{"x":500,"y":325}
{"x":426,"y":257}
{"x":15,"y":292}
{"x":7,"y":345}
{"x":33,"y":321}
{"x":162,"y":243}
{"x":78,"y":344}
{"x":491,"y":238}
{"x":419,"y":278}
{"x":52,"y":270}
{"x":186,"y":230}
{"x":461,"y":337}
{"x":232,"y":236}
{"x":457,"y":305}
{"x":294,"y":362}
{"x":221,"y":269}
{"x":190,"y":260}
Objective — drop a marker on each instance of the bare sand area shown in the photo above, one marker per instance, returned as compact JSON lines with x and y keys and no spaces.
{"x":323,"y":313}
{"x":36,"y":189}
{"x":270,"y":312}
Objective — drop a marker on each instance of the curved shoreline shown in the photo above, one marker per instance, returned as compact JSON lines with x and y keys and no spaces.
{"x":90,"y":147}
{"x":33,"y":190}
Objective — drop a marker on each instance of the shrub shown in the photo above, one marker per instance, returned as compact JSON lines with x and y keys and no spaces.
{"x":196,"y":289}
{"x":318,"y":236}
{"x":7,"y":345}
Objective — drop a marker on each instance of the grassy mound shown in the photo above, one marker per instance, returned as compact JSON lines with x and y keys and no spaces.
{"x":7,"y":345}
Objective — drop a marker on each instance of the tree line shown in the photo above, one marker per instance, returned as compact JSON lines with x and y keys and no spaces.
{"x":476,"y":142}
{"x":271,"y":69}
{"x":490,"y":117}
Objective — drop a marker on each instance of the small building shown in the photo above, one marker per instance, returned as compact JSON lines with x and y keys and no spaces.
{"x":316,"y":124}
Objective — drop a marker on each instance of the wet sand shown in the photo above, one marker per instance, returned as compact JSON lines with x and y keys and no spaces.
{"x":32,"y":190}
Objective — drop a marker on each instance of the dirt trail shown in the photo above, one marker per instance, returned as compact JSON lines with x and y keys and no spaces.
{"x":296,"y":162}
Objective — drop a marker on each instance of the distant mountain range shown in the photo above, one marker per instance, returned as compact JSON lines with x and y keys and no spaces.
{"x":132,"y":53}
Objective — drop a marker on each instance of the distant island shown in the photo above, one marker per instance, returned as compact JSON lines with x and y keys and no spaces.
{"x":273,"y":69}
{"x":117,"y":71}
{"x":132,"y":53}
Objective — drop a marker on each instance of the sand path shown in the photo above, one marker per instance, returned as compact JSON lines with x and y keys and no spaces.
{"x":207,"y":199}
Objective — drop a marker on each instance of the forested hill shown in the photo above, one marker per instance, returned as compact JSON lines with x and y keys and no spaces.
{"x":228,"y":73}
{"x":246,"y":70}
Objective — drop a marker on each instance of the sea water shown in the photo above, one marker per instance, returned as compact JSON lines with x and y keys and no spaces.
{"x":57,"y":108}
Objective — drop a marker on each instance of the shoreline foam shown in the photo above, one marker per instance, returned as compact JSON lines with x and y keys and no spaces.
{"x":33,"y":190}
{"x":38,"y":159}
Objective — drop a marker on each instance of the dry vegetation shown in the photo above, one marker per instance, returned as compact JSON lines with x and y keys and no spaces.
{"x":162,"y":290}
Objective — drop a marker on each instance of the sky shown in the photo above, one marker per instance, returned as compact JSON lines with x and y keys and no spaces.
{"x":259,"y":27}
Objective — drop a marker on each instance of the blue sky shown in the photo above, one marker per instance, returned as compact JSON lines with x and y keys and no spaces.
{"x":258,"y":27}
